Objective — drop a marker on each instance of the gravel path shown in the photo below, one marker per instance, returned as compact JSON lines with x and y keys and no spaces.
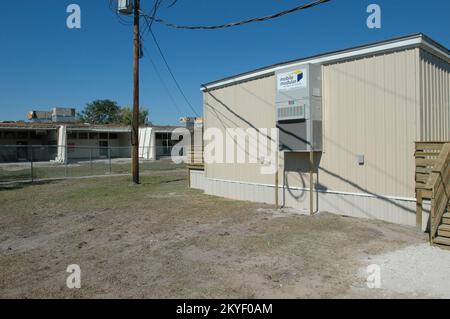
{"x":417,"y":271}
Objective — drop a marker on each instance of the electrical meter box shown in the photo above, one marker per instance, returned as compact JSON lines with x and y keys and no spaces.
{"x":299,"y":108}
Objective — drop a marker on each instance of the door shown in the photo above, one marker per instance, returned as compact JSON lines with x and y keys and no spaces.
{"x":22,"y":151}
{"x":103,"y":148}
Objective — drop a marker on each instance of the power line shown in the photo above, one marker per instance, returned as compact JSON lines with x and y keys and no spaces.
{"x":163,"y":83}
{"x":174,"y":2}
{"x":149,"y":21}
{"x":155,"y":8}
{"x":171,"y":72}
{"x":239,"y":23}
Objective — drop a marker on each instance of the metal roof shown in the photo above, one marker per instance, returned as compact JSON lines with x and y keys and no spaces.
{"x":79,"y":127}
{"x":395,"y":44}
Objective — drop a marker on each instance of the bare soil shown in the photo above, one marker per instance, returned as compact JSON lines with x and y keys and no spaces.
{"x":163,"y":240}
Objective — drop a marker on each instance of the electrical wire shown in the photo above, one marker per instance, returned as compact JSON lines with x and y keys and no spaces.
{"x":154,"y":10}
{"x":174,"y":2}
{"x":239,"y":23}
{"x":171,"y":72}
{"x":163,"y":83}
{"x":148,"y":21}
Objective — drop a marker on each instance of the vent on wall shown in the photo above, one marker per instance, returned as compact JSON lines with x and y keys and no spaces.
{"x":291,"y":112}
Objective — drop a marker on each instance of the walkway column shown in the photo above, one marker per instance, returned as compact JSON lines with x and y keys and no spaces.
{"x":62,"y":145}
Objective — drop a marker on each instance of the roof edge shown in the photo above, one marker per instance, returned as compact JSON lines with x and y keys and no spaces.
{"x":410,"y":41}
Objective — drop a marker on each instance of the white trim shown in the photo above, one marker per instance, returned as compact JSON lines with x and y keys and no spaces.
{"x":427,"y":46}
{"x":18,"y":128}
{"x":405,"y":199}
{"x":414,"y":42}
{"x":100,"y":130}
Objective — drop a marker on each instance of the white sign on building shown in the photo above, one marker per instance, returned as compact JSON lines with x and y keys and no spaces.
{"x":292,"y":80}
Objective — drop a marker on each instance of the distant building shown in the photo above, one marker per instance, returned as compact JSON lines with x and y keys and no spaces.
{"x":62,"y":142}
{"x":56,"y":115}
{"x":192,"y":121}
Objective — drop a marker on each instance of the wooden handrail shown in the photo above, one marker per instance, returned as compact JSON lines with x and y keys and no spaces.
{"x":426,"y":157}
{"x":194,"y":154}
{"x":439,"y":183}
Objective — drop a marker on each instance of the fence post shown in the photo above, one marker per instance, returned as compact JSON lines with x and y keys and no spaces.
{"x":90,"y":161}
{"x":419,"y":209}
{"x":109,"y":156}
{"x":31,"y":163}
{"x":66,"y":161}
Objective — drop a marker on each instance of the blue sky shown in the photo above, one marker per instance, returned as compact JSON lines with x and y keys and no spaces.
{"x":44,"y":64}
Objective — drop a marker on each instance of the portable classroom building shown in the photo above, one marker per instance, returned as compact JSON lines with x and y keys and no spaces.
{"x":377,"y":100}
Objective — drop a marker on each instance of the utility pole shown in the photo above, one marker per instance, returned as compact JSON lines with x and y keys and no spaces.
{"x":135,"y":121}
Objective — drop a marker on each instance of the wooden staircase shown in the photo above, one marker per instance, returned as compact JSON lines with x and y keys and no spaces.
{"x":443,"y":231}
{"x":433,"y":183}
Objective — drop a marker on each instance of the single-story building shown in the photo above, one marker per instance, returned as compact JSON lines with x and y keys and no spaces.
{"x":73,"y":141}
{"x":347,"y":119}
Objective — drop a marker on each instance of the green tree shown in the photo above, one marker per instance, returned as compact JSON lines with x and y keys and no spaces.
{"x":126,"y":114}
{"x":101,"y":112}
{"x":108,"y":112}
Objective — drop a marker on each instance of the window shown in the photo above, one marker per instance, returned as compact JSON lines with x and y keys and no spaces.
{"x":103,"y":136}
{"x":72,"y":136}
{"x":22,"y":135}
{"x":83,"y":136}
{"x":10,"y":135}
{"x":33,"y":135}
{"x":113,"y":136}
{"x":93,"y":136}
{"x":38,"y":134}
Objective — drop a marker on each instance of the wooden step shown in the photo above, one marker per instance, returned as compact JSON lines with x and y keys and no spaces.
{"x":442,"y":246}
{"x":444,"y":227}
{"x":444,"y":230}
{"x":444,"y":233}
{"x":446,"y":218}
{"x":442,"y":241}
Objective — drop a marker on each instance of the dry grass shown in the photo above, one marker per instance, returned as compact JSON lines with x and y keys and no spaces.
{"x":161,"y":239}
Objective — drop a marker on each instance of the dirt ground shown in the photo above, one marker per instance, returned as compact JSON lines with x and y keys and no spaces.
{"x":163,"y":240}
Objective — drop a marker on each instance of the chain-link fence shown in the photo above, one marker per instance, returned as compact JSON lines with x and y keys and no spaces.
{"x":25,"y":163}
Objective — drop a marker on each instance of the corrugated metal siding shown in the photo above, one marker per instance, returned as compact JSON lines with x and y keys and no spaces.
{"x":197,"y":179}
{"x":435,"y":98}
{"x":244,"y":105}
{"x":388,"y":209}
{"x":371,"y":107}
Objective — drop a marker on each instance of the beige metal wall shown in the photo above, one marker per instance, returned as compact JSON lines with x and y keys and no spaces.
{"x":371,"y":108}
{"x":435,"y":98}
{"x":250,"y":104}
